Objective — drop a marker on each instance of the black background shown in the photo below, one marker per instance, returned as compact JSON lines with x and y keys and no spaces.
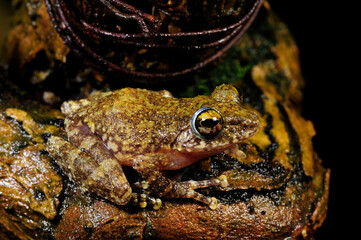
{"x":325,"y":34}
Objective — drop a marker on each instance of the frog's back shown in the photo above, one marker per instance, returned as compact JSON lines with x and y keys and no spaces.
{"x":130,"y":117}
{"x":112,"y":101}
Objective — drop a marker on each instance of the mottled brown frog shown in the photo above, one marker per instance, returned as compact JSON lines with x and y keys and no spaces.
{"x":150,"y":131}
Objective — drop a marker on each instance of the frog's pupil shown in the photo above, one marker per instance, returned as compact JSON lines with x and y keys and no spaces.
{"x":210,"y":122}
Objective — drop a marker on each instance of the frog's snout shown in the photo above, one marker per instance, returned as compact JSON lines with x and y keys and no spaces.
{"x":69,"y":107}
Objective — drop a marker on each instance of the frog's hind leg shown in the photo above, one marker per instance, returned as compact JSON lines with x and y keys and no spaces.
{"x":104,"y":178}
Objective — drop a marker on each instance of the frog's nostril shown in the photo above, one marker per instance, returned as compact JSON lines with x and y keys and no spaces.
{"x":247,"y":122}
{"x":251,"y":120}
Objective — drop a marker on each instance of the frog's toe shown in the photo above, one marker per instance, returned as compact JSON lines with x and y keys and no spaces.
{"x":214,"y":203}
{"x":221,"y":181}
{"x":143,"y":200}
{"x":156,"y":203}
{"x":144,"y":185}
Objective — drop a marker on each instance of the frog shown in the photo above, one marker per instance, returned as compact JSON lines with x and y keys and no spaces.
{"x":151,"y":132}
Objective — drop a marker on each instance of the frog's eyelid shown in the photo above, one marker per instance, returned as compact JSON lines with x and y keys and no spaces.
{"x":240,"y":93}
{"x":206,"y":106}
{"x":228,"y":92}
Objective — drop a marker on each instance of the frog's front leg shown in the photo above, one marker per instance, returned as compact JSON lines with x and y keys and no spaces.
{"x":102,"y":176}
{"x":146,"y":166}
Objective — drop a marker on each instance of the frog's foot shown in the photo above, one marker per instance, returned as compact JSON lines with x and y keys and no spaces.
{"x":141,"y":185}
{"x":163,"y":186}
{"x":143,"y":200}
{"x":187,"y":190}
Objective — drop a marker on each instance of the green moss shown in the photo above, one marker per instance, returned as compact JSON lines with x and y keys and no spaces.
{"x":228,"y":70}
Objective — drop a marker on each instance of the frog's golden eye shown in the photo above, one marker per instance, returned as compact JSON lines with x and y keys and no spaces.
{"x":207,"y":123}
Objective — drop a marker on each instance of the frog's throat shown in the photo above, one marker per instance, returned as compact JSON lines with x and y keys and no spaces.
{"x":181,"y":159}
